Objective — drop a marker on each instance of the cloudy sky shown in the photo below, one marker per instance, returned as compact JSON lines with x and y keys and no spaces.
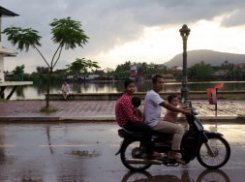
{"x":136,"y":30}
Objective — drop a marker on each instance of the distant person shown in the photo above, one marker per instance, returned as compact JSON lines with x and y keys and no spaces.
{"x":65,"y":89}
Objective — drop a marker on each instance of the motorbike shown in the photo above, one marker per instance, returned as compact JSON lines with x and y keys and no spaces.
{"x":210,"y":148}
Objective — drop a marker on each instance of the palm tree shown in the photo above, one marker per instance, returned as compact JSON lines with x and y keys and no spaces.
{"x":91,"y":65}
{"x":67,"y":33}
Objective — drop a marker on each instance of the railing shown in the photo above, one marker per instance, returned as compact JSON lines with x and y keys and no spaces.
{"x":193,"y":95}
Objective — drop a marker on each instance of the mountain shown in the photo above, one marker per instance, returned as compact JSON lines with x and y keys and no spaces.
{"x":213,"y":58}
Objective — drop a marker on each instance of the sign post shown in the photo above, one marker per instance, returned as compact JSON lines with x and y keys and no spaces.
{"x":217,"y":86}
{"x":213,"y":96}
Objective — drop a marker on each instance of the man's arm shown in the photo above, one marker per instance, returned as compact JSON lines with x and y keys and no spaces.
{"x":173,"y":108}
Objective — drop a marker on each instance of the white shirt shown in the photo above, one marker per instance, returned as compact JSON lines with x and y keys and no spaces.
{"x":152,"y":109}
{"x":65,"y":88}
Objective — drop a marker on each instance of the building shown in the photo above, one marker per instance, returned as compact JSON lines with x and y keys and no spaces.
{"x":4,"y":52}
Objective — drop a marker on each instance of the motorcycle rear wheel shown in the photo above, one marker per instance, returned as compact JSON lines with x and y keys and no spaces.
{"x":128,"y":157}
{"x":221,"y":153}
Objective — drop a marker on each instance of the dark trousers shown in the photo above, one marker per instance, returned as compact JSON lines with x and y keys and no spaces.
{"x":145,"y":130}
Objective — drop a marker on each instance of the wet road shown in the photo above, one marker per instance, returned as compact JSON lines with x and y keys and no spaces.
{"x":85,"y":152}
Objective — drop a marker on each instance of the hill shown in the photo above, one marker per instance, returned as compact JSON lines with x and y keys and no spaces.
{"x":213,"y":58}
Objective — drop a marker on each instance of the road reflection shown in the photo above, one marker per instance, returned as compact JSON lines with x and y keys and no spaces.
{"x":85,"y":152}
{"x":205,"y":176}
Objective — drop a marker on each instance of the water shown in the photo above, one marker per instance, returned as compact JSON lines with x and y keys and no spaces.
{"x":38,"y":92}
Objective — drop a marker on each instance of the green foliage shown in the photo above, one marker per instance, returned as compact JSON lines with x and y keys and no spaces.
{"x":40,"y":76}
{"x":232,"y":71}
{"x":146,"y":70}
{"x":122,"y":71}
{"x":82,"y":66}
{"x":22,"y":37}
{"x":235,"y":73}
{"x":68,"y":33}
{"x":200,"y":71}
{"x":65,"y":32}
{"x":18,"y":73}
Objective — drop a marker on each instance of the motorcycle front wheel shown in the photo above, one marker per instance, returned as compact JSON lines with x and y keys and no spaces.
{"x":129,"y":156}
{"x":213,"y":175}
{"x":215,"y":153}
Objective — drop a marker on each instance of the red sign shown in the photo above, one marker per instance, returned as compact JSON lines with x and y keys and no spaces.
{"x":218,"y":85}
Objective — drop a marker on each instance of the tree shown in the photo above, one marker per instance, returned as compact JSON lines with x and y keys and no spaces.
{"x":18,"y":73}
{"x":123,"y":70}
{"x":67,"y":33}
{"x":200,"y":71}
{"x":83,"y":66}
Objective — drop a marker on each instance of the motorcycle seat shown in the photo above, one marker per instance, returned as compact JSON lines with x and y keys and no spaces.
{"x":126,"y":133}
{"x":158,"y":134}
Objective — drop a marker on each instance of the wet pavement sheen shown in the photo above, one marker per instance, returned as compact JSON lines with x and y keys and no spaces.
{"x":102,"y":110}
{"x":86,"y":152}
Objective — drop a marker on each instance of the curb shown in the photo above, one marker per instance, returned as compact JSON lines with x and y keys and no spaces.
{"x":45,"y":119}
{"x":20,"y":119}
{"x":72,"y":119}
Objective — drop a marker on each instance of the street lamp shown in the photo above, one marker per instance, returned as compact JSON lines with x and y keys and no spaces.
{"x":184,"y":32}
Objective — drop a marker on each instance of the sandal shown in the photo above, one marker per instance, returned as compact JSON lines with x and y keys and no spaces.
{"x":176,"y":156}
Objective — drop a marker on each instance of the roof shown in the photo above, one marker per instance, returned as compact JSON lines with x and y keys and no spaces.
{"x":7,"y":52}
{"x":6,"y":12}
{"x":15,"y":83}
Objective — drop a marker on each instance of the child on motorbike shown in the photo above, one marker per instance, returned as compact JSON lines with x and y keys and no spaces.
{"x":172,"y":116}
{"x":136,"y":101}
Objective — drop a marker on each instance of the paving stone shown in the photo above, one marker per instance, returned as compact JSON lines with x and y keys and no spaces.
{"x":104,"y":109}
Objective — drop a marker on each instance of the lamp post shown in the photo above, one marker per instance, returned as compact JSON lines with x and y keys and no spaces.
{"x":184,"y":32}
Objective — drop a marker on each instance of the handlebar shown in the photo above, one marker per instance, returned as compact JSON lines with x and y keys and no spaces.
{"x":194,"y":111}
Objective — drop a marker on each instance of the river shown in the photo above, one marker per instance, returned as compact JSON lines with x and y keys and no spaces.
{"x":37,"y":92}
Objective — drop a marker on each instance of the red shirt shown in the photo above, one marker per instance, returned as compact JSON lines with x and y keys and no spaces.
{"x":124,"y":110}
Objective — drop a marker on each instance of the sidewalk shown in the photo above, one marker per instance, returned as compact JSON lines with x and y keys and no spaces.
{"x":77,"y":111}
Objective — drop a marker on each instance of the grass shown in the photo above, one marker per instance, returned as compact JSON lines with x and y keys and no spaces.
{"x":48,"y":110}
{"x":3,"y":100}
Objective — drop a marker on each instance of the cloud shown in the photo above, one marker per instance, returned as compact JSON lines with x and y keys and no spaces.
{"x":113,"y":23}
{"x":235,"y":18}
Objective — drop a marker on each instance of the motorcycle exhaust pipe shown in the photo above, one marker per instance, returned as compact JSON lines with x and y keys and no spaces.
{"x":136,"y":161}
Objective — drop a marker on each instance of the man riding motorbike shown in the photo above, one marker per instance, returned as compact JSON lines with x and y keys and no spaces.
{"x":152,"y":111}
